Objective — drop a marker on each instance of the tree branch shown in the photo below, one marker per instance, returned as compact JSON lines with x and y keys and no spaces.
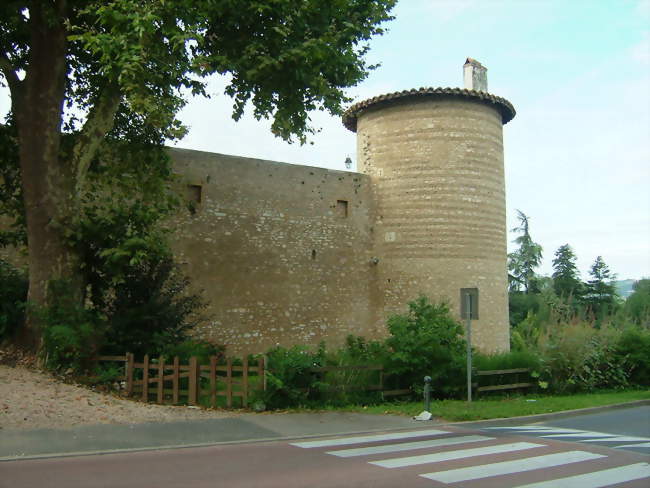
{"x":100,"y":121}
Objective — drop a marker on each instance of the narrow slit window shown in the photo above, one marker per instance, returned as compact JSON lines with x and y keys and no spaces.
{"x":313,"y":254}
{"x":342,"y":208}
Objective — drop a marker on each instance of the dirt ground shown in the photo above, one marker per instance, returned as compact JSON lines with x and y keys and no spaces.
{"x":31,"y":399}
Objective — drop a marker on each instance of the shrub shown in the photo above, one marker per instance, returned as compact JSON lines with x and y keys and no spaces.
{"x":427,"y":341}
{"x":633,"y":349}
{"x":577,"y":356}
{"x":151,"y":310}
{"x":192,"y":347}
{"x":288,"y":379}
{"x":13,"y":295}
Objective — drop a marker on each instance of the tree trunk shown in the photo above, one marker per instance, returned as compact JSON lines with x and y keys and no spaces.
{"x":48,"y":181}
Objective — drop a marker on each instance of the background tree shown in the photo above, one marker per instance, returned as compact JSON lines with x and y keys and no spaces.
{"x":566,"y":278}
{"x":81,"y":72}
{"x":523,"y":262}
{"x":601,"y":293}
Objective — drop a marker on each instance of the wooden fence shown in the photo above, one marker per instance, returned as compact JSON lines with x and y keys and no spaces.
{"x":380,"y":386}
{"x":192,"y":383}
{"x":501,"y":374}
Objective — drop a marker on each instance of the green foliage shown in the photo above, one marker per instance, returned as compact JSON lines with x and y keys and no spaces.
{"x":288,"y":379}
{"x":633,"y":349}
{"x":13,"y":296}
{"x":601,"y":296}
{"x":523,"y":261}
{"x":202,"y":350}
{"x":566,"y":280}
{"x":505,"y":360}
{"x":637,"y":306}
{"x":427,"y":341}
{"x":151,"y":309}
{"x":579,"y":357}
{"x":72,"y":335}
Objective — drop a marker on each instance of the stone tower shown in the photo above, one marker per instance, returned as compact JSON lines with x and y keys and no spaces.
{"x":435,"y":159}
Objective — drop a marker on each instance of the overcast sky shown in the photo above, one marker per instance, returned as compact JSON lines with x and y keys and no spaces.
{"x":577,"y":154}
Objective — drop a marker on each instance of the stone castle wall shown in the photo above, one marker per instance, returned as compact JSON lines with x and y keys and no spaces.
{"x":282,"y":252}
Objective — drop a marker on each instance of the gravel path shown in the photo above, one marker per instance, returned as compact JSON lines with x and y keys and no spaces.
{"x":33,"y":399}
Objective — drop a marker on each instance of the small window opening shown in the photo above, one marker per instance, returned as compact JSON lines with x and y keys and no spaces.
{"x":342,"y":208}
{"x":313,"y":254}
{"x":194,"y":193}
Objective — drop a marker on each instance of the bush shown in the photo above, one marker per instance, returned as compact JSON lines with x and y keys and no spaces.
{"x":633,"y":349}
{"x":427,"y":341}
{"x":578,"y":357}
{"x":151,"y":310}
{"x":288,"y":379}
{"x":191,"y":347}
{"x":13,"y":295}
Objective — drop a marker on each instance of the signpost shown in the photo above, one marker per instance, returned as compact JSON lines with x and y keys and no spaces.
{"x":469,"y":309}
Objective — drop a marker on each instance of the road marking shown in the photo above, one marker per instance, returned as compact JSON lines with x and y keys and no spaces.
{"x":369,"y":438}
{"x":407,"y":446}
{"x":509,"y":467}
{"x":619,"y":438}
{"x":642,"y":444}
{"x":582,"y":434}
{"x":597,"y":479}
{"x":459,"y":454}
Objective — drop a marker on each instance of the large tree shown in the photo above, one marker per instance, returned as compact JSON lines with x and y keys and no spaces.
{"x":523,"y":261}
{"x":80,"y":72}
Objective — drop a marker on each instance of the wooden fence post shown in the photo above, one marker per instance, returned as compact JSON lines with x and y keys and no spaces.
{"x":244,"y":384}
{"x":262,"y":371}
{"x":213,"y":381}
{"x":229,"y":382}
{"x":161,"y":379}
{"x":129,"y":373}
{"x":175,"y":386}
{"x":145,"y":379}
{"x":193,"y":396}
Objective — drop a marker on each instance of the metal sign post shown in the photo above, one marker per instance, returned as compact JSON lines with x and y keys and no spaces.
{"x":468,"y":309}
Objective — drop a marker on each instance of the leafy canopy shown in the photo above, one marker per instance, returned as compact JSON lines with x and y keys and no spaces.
{"x":286,"y":56}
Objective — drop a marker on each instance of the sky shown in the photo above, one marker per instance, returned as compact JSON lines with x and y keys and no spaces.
{"x":577,"y":155}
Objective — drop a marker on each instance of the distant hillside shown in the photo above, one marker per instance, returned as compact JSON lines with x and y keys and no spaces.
{"x":625,"y":287}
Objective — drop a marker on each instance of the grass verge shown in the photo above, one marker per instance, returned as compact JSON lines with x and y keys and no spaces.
{"x":504,"y":407}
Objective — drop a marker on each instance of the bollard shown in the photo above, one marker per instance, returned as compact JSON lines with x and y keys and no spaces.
{"x":427,"y":393}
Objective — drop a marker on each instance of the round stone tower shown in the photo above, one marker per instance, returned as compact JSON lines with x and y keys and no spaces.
{"x":435,"y":159}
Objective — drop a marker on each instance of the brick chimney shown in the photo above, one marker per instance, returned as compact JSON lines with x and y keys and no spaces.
{"x":475,"y":75}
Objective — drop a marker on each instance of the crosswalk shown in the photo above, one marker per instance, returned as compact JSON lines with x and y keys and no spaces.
{"x":587,"y":436}
{"x":435,"y":454}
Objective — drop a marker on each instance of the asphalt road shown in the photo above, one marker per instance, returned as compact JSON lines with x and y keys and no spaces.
{"x":433,"y":457}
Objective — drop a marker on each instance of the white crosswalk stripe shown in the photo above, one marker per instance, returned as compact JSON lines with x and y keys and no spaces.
{"x":597,"y":479}
{"x":509,"y":467}
{"x":449,"y":446}
{"x":576,"y":435}
{"x":368,"y":438}
{"x":450,"y":455}
{"x":407,"y":446}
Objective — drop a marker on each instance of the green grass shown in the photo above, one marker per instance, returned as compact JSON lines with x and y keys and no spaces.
{"x":503,"y":407}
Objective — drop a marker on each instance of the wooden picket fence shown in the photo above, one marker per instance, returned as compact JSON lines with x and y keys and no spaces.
{"x":162,"y":382}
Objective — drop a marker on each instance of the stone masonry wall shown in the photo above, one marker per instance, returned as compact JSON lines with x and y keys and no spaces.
{"x":282,"y":252}
{"x":436,"y":167}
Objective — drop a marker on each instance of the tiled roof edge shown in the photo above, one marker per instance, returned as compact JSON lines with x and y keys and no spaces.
{"x":504,"y":106}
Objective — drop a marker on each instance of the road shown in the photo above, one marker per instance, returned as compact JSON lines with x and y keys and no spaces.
{"x":434,"y":456}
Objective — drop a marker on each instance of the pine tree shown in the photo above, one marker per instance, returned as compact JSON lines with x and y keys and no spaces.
{"x":601,"y":293}
{"x":566,"y":277}
{"x":523,"y":261}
